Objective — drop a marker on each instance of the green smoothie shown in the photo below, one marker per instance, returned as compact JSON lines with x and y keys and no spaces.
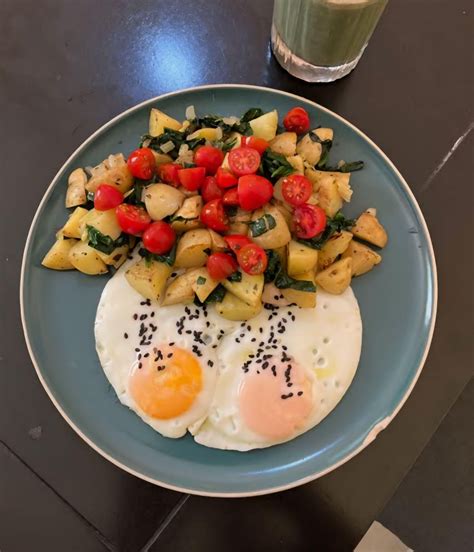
{"x":326,"y":32}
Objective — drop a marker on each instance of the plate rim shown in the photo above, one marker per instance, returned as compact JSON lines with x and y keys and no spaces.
{"x":373,"y":432}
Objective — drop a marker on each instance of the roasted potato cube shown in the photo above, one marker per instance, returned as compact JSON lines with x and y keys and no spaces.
{"x":309,"y":150}
{"x":286,"y":210}
{"x":335,"y":246}
{"x":301,"y":258}
{"x":363,"y":258}
{"x":304,"y":299}
{"x":203,"y":284}
{"x":233,"y":308}
{"x":187,"y":216}
{"x":324,"y":134}
{"x":148,"y":278}
{"x":284,"y":143}
{"x":217,"y":241}
{"x":249,"y":289}
{"x":272,"y":296}
{"x":265,"y":126}
{"x":86,"y":259}
{"x":114,"y":171}
{"x":328,"y":197}
{"x":162,"y":200}
{"x":180,"y":290}
{"x":76,"y":188}
{"x":322,"y":178}
{"x":296,"y":161}
{"x":57,"y":258}
{"x":117,"y":257}
{"x":159,"y":121}
{"x":161,"y":158}
{"x":238,"y":222}
{"x":274,"y":237}
{"x":104,"y":221}
{"x":191,"y":250}
{"x":337,"y":277}
{"x":369,"y":229}
{"x":72,"y":228}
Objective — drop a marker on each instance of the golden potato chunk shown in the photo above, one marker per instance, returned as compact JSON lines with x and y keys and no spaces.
{"x":284,"y":143}
{"x":363,"y":258}
{"x":275,"y":237}
{"x":369,"y":229}
{"x":187,"y":216}
{"x":113,"y":171}
{"x":296,"y":161}
{"x":217,"y":242}
{"x":104,"y":221}
{"x":335,"y":246}
{"x":301,"y":258}
{"x":180,"y":290}
{"x":86,"y":259}
{"x":76,"y":188}
{"x":72,"y":228}
{"x":162,"y":200}
{"x":233,"y":308}
{"x":148,"y":278}
{"x":191,"y":250}
{"x":309,"y":150}
{"x":337,"y":277}
{"x":159,"y":121}
{"x":304,"y":299}
{"x":203,"y":285}
{"x":117,"y":257}
{"x":161,"y":158}
{"x":57,"y":258}
{"x":249,"y":289}
{"x":265,"y":126}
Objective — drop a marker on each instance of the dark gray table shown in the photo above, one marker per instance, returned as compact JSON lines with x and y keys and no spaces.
{"x":66,"y":67}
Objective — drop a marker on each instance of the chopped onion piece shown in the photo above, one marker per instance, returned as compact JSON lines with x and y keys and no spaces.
{"x":184,"y":148}
{"x":218,"y":133}
{"x":190,"y":112}
{"x":146,"y":143}
{"x":167,"y":146}
{"x":230,"y":120}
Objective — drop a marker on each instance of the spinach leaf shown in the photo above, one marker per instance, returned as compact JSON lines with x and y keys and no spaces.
{"x":235,"y":277}
{"x":333,"y":225}
{"x":251,"y":114}
{"x":225,"y":145}
{"x":231,"y":210}
{"x":216,"y":295}
{"x":201,"y":281}
{"x":283,"y":281}
{"x":168,"y":259}
{"x":344,"y":167}
{"x":262,"y":225}
{"x":179,"y":218}
{"x":195,"y":142}
{"x":275,"y":165}
{"x":273,"y":265}
{"x":100,"y":241}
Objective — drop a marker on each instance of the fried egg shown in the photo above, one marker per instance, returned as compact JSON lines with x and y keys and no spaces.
{"x":282,"y":372}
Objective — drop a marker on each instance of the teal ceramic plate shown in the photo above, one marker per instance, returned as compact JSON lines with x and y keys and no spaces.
{"x":397,"y":301}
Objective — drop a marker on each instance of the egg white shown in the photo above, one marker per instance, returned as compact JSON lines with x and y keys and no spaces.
{"x":326,"y":341}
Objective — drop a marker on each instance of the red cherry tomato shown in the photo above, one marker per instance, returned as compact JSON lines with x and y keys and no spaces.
{"x":168,"y":173}
{"x":214,"y":216}
{"x":210,"y":190}
{"x":159,"y":237}
{"x":107,"y":197}
{"x":310,"y":220}
{"x":225,"y":179}
{"x":237,"y":241}
{"x":254,"y":191}
{"x":231,"y":197}
{"x":192,"y":179}
{"x":244,"y":161}
{"x":221,"y":265}
{"x":141,"y":163}
{"x":255,"y":143}
{"x":209,"y":157}
{"x":296,"y":189}
{"x":297,"y":120}
{"x":252,"y":259}
{"x":132,"y":219}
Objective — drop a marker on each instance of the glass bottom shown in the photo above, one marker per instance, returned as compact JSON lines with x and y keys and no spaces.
{"x":304,"y":70}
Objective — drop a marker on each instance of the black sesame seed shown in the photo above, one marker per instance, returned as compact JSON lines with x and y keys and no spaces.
{"x":189,"y":332}
{"x":210,"y":363}
{"x":253,"y":339}
{"x":171,"y":343}
{"x":135,"y":316}
{"x":293,"y":317}
{"x":284,"y":347}
{"x":143,"y":316}
{"x":125,"y":335}
{"x":139,"y":356}
{"x":139,"y":365}
{"x":287,"y":396}
{"x":276,"y":297}
{"x":299,"y":393}
{"x":260,"y":330}
{"x":237,"y":340}
{"x":152,"y":314}
{"x":274,"y":371}
{"x":265,"y":365}
{"x":289,"y":384}
{"x":169,"y":355}
{"x":137,"y":350}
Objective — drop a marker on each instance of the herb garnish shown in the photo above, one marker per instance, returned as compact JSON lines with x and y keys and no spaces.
{"x":235,"y":277}
{"x":262,"y":225}
{"x":168,"y":259}
{"x":201,"y":280}
{"x":275,"y":165}
{"x":102,"y":242}
{"x":283,"y":281}
{"x":273,"y":265}
{"x":333,"y":225}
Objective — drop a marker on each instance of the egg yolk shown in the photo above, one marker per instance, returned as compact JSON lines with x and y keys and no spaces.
{"x":166,"y":382}
{"x":270,"y":407}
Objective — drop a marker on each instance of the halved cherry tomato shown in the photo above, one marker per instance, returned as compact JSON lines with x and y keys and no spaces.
{"x":254,"y":191}
{"x":210,"y":190}
{"x":237,"y":241}
{"x":252,"y":259}
{"x":225,"y":179}
{"x":192,"y":179}
{"x":159,"y":237}
{"x":209,"y":157}
{"x":107,"y":197}
{"x":231,"y":197}
{"x":221,"y":265}
{"x":132,"y":219}
{"x":141,"y":163}
{"x":244,"y":161}
{"x":296,"y":189}
{"x":255,"y":143}
{"x":168,"y":173}
{"x":214,"y":216}
{"x":297,"y":120}
{"x":310,"y":220}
